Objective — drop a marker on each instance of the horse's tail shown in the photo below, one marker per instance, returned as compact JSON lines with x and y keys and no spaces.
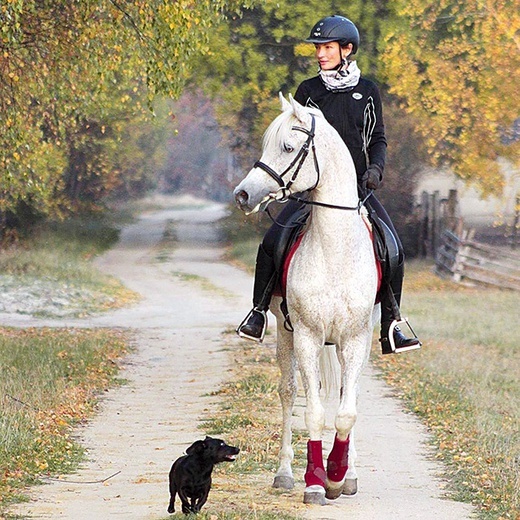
{"x":330,"y":371}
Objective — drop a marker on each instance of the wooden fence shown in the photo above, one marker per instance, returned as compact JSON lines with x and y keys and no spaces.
{"x":467,"y":261}
{"x":435,"y":214}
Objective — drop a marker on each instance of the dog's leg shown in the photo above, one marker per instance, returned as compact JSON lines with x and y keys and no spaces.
{"x":202,"y":499}
{"x":173,"y":492}
{"x":186,"y":506}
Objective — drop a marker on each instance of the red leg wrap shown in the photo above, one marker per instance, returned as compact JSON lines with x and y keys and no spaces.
{"x":337,"y":463}
{"x":315,"y":474}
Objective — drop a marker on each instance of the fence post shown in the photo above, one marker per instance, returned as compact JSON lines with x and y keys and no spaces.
{"x":462,"y":254}
{"x":423,"y":226}
{"x":435,"y":223}
{"x":452,"y":210}
{"x":516,"y":222}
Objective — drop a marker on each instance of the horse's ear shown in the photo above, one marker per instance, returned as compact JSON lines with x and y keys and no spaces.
{"x":299,"y":111}
{"x":285,"y":104}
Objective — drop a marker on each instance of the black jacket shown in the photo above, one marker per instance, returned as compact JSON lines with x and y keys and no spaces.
{"x":351,"y":113}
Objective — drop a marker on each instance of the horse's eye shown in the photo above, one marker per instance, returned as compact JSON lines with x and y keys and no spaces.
{"x":288,"y":148}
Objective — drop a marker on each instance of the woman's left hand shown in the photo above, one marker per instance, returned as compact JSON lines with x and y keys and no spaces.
{"x":373,"y":177}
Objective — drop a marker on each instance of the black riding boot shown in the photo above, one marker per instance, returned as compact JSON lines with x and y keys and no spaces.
{"x":390,"y":313}
{"x":255,"y":323}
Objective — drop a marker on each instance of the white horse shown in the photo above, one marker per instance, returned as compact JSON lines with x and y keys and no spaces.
{"x":331,"y":287}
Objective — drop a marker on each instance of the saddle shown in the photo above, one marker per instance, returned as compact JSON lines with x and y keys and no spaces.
{"x":385,"y":243}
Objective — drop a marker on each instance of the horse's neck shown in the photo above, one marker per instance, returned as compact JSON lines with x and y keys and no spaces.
{"x":339,"y":191}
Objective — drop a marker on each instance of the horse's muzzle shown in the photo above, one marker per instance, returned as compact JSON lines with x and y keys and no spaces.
{"x":242,"y":199}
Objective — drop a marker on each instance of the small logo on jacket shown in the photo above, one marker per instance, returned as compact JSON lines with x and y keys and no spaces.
{"x":357,"y":95}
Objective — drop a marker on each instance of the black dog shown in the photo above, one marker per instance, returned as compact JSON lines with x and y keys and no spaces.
{"x":190,"y":475}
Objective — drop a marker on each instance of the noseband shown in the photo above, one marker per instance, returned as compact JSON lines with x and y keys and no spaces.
{"x":297,"y":163}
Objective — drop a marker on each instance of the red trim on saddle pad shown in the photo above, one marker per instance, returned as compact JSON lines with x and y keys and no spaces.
{"x":287,"y":262}
{"x":282,"y":290}
{"x":378,"y":263}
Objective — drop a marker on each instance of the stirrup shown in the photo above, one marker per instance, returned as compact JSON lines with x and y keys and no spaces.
{"x":391,"y":341}
{"x":247,"y":336}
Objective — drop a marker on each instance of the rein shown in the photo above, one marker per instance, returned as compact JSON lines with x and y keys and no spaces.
{"x":357,"y":208}
{"x":325,"y":205}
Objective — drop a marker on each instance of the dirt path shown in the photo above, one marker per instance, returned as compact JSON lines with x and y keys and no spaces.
{"x":189,"y":298}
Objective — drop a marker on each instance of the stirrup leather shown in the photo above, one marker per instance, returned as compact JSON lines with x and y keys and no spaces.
{"x":391,"y":341}
{"x":244,"y":321}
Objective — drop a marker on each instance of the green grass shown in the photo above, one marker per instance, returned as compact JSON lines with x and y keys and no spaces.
{"x":243,"y":253}
{"x":53,"y":248}
{"x":50,"y":380}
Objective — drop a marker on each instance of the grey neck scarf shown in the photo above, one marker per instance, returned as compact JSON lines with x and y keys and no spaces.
{"x":344,"y":78}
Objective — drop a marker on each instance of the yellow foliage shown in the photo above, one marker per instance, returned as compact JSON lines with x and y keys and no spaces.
{"x":456,"y":65}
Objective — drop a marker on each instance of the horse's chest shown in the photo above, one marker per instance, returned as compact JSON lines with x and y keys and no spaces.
{"x":312,"y":273}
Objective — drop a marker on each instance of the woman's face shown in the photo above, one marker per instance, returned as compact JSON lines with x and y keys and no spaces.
{"x":329,"y":54}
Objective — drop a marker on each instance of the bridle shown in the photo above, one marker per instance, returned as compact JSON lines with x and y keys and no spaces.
{"x":283,"y":194}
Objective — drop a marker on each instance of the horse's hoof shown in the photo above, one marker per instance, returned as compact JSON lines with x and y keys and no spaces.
{"x":314,"y":495}
{"x":333,"y":490}
{"x":283,"y":481}
{"x":350,"y":486}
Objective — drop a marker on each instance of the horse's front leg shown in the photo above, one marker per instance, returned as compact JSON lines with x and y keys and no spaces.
{"x":306,"y":348}
{"x":341,"y":471}
{"x":287,"y":390}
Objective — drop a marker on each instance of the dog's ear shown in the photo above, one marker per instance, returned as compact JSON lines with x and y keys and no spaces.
{"x":196,"y":447}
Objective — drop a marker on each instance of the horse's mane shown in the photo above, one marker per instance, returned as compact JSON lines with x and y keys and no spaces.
{"x":278,"y":131}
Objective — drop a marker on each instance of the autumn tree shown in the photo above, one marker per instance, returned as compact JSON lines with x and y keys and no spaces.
{"x":73,"y":76}
{"x":456,"y":67}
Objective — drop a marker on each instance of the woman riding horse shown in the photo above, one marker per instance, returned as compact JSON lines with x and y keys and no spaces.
{"x":352,"y":105}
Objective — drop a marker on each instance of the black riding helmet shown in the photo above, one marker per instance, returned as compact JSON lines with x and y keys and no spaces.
{"x":335,"y":29}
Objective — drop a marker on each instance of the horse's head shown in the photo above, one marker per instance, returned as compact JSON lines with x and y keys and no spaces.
{"x":288,"y":163}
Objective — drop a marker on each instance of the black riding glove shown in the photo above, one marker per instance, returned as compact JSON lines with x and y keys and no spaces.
{"x":373,"y":177}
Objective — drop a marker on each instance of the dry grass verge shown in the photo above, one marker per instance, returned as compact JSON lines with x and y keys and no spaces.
{"x":50,"y":380}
